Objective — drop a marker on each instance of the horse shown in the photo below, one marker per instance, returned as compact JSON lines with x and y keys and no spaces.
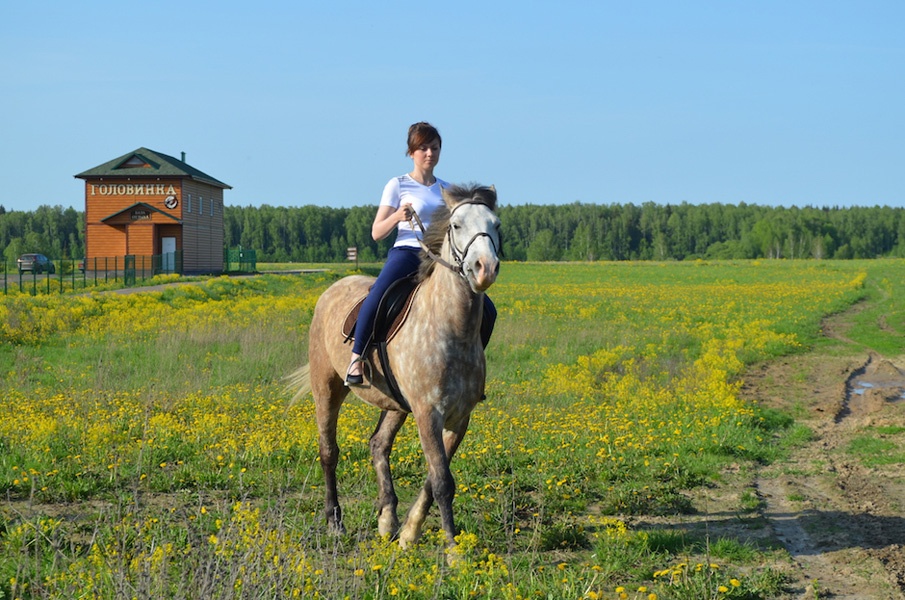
{"x":436,"y":355}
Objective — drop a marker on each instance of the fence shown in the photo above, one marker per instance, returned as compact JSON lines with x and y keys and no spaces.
{"x":241,"y":260}
{"x":70,"y":274}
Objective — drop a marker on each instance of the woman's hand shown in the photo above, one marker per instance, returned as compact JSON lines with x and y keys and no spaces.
{"x":405,"y":212}
{"x":387,"y":218}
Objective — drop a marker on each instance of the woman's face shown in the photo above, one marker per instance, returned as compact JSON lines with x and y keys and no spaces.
{"x":426,"y":156}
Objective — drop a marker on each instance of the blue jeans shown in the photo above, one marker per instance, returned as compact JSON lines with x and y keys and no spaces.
{"x":402,"y":262}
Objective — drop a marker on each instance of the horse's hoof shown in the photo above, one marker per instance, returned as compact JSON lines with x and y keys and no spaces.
{"x":336,"y":529}
{"x":388,"y":526}
{"x":406,"y":540}
{"x":454,"y":556}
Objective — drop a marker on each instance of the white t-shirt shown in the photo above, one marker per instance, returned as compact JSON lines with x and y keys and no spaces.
{"x":424,"y":200}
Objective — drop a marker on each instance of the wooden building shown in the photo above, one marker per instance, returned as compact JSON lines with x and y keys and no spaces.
{"x":146,"y":204}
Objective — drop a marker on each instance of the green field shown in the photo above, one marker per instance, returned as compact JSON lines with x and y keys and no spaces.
{"x":148,"y":447}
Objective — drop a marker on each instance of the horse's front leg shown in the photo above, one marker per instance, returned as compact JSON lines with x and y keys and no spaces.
{"x":439,"y":447}
{"x":381,"y":445}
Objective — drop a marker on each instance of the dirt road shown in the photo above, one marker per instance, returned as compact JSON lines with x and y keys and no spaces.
{"x":831,"y":517}
{"x":838,"y":505}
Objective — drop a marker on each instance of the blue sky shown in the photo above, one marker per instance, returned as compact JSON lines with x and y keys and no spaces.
{"x":766,"y":102}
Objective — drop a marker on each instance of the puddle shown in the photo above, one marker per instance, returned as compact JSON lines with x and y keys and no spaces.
{"x":876,"y":384}
{"x":880,"y":378}
{"x":860,"y":387}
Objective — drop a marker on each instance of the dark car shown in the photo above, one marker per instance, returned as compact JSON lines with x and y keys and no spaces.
{"x":36,"y":263}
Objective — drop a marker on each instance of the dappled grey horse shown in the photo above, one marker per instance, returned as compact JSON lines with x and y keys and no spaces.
{"x":437,"y":358}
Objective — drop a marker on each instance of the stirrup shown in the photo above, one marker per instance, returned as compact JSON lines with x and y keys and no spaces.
{"x":358,"y":380}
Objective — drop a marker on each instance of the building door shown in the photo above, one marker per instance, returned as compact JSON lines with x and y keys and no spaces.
{"x":168,"y":254}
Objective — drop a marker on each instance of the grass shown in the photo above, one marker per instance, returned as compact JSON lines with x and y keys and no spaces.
{"x":879,"y":446}
{"x":150,"y":450}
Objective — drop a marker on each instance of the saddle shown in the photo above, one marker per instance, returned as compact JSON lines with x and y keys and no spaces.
{"x":391,"y":314}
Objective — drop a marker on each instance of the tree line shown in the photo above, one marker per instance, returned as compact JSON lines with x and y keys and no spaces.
{"x":587,"y":232}
{"x":583,"y":232}
{"x":51,"y":230}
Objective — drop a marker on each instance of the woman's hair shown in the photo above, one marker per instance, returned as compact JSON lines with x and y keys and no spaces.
{"x":422,"y":133}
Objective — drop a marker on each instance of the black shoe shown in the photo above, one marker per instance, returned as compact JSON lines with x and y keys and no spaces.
{"x":352,"y":380}
{"x":359,"y":379}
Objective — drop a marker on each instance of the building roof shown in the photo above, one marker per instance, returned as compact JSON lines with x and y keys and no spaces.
{"x":141,"y":205}
{"x":148,"y":163}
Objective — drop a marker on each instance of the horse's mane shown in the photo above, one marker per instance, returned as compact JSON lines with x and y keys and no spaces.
{"x":436,"y":231}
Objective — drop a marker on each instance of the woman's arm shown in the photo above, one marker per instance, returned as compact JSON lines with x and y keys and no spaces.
{"x":388,"y":218}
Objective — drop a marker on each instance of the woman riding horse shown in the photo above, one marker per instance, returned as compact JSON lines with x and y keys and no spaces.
{"x":419,"y":193}
{"x":437,"y":355}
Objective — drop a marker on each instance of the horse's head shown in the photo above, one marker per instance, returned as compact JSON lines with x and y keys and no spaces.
{"x":470,"y":230}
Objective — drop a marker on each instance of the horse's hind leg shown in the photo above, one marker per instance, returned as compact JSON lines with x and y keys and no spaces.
{"x":328,"y":398}
{"x":381,"y":445}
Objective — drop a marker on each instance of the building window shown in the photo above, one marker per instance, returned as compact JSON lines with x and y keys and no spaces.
{"x":200,"y":205}
{"x":188,"y":204}
{"x":135,"y":162}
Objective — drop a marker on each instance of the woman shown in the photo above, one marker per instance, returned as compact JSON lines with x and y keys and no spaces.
{"x":417,"y":191}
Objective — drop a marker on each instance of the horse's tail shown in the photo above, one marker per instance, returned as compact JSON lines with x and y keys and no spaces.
{"x":298,"y":383}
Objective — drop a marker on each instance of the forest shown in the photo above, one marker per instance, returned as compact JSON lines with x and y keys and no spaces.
{"x":572,"y":232}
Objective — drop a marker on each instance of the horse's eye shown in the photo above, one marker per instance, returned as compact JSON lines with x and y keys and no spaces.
{"x":456,"y":226}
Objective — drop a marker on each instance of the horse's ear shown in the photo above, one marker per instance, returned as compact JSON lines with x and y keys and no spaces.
{"x":493,"y":188}
{"x":447,"y":199}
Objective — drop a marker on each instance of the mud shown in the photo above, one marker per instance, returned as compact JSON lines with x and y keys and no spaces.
{"x":838,"y":512}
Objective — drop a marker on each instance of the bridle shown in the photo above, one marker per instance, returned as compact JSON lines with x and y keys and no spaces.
{"x":457,"y":254}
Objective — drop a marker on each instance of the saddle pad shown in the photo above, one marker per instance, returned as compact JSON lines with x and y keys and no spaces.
{"x":397,"y":319}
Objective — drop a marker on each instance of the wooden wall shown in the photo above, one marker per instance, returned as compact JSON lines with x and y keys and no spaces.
{"x":202,"y":229}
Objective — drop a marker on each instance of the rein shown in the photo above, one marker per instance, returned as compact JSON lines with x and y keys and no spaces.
{"x":458,"y":255}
